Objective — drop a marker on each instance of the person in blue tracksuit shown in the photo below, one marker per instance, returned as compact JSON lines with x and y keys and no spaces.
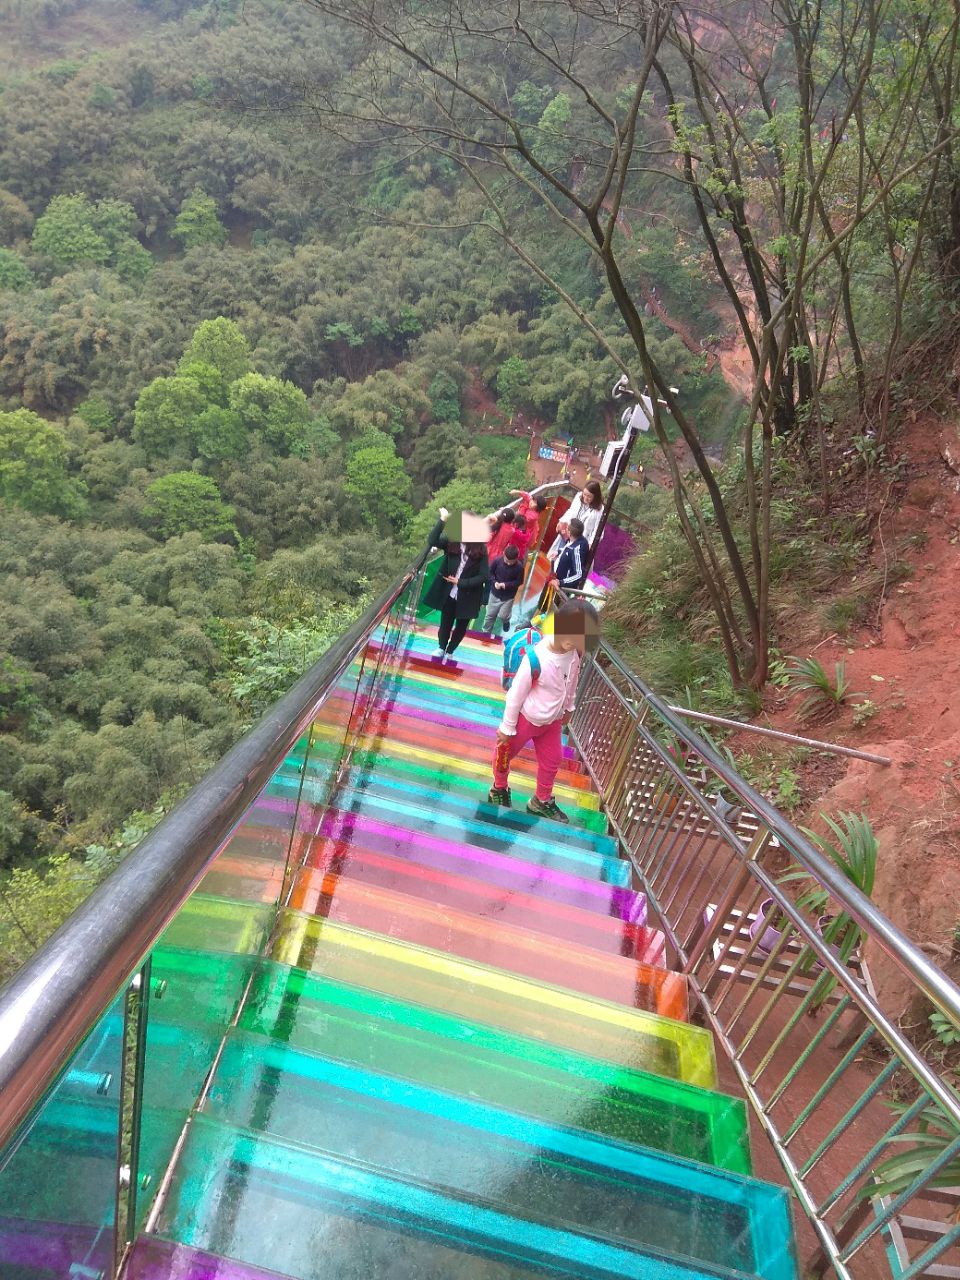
{"x":570,"y":569}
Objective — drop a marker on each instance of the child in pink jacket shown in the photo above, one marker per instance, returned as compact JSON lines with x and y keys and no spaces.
{"x":539,"y":704}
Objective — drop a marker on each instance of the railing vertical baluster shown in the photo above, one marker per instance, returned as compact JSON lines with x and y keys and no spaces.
{"x":705,"y":884}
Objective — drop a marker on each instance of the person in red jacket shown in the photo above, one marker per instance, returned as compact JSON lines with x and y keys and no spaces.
{"x":503,"y":527}
{"x":526,"y":525}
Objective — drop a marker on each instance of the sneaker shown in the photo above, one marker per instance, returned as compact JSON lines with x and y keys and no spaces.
{"x":500,"y":795}
{"x":546,"y":809}
{"x":437,"y":653}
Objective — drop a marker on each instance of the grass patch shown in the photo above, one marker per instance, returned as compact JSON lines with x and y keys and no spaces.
{"x":844,"y":613}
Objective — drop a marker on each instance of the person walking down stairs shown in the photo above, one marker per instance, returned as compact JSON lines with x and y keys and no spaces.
{"x":457,"y":590}
{"x":539,"y":704}
{"x":506,"y":575}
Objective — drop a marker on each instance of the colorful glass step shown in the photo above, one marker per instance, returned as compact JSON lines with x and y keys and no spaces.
{"x":244,"y":877}
{"x":206,"y":923}
{"x":521,"y":778}
{"x":458,"y":1061}
{"x":455,"y":681}
{"x":245,"y":1196}
{"x":446,"y":719}
{"x":480,"y":994}
{"x":420,"y":808}
{"x":53,"y":1250}
{"x":154,"y":1259}
{"x":463,"y":1058}
{"x":406,"y":742}
{"x":537,"y":843}
{"x":493,"y":868}
{"x":376,"y":831}
{"x":359,"y":784}
{"x":423,"y":671}
{"x":423,"y":644}
{"x":480,"y":699}
{"x":519,"y":1165}
{"x":426,"y":728}
{"x":448,"y":781}
{"x":621,"y":979}
{"x":58,"y":1178}
{"x":473,"y":896}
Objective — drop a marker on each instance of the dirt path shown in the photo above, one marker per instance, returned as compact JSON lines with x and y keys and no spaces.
{"x":906,"y":663}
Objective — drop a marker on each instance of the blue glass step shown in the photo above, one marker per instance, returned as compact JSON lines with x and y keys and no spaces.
{"x":259,"y":1200}
{"x":515,"y":1163}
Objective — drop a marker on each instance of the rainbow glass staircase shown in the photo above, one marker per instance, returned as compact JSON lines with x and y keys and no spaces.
{"x":457,"y":1052}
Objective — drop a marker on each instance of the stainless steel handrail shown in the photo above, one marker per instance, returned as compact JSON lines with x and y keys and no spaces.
{"x":932,"y":981}
{"x":816,"y":1049}
{"x":741,"y":726}
{"x":51,"y":1003}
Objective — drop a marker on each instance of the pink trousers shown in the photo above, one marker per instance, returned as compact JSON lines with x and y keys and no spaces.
{"x":547,"y":745}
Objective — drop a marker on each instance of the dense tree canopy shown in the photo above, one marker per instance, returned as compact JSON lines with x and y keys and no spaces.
{"x":243,"y":358}
{"x":33,"y":465}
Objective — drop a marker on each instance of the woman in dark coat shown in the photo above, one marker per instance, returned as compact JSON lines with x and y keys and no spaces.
{"x":457,"y":590}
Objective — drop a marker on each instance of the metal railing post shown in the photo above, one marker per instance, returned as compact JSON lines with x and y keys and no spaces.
{"x":775,"y":1003}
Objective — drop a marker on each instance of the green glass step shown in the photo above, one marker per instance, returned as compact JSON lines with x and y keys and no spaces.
{"x":556,"y":1085}
{"x":471,"y":991}
{"x":207,"y":923}
{"x":280,"y":1205}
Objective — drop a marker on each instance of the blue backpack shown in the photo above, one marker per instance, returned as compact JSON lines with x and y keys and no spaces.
{"x":520,"y":643}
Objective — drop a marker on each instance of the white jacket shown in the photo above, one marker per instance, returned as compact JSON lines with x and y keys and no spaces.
{"x":589,"y":517}
{"x":553,"y":695}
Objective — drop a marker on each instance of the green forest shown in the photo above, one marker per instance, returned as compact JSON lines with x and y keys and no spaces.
{"x":260,"y":288}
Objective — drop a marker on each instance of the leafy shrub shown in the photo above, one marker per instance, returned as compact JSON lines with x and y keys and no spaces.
{"x":935,"y":1132}
{"x":944,"y":1028}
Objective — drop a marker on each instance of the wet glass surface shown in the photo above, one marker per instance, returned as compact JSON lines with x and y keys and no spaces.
{"x":462,"y":1057}
{"x":58,"y":1187}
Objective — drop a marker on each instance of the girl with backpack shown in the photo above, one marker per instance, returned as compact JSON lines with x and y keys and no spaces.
{"x":539,"y":703}
{"x":457,"y":590}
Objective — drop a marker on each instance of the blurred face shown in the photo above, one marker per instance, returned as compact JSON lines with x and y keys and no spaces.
{"x":577,"y":631}
{"x":567,"y":643}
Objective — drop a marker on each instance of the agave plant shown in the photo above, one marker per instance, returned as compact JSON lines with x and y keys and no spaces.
{"x":809,"y":675}
{"x":854,"y":853}
{"x":935,"y":1133}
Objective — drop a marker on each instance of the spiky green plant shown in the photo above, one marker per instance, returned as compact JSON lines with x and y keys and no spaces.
{"x":810,"y":676}
{"x":854,"y":854}
{"x":935,"y":1133}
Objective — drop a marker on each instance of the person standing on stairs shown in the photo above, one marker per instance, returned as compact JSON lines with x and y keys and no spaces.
{"x":457,"y":590}
{"x":587,"y":507}
{"x":506,"y":575}
{"x":570,"y":569}
{"x":539,"y":704}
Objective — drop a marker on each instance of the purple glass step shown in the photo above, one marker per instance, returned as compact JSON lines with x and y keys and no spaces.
{"x":155,"y":1259}
{"x":52,"y":1248}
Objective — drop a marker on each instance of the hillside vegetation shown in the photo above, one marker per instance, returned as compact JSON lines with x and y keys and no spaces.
{"x":256,"y":260}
